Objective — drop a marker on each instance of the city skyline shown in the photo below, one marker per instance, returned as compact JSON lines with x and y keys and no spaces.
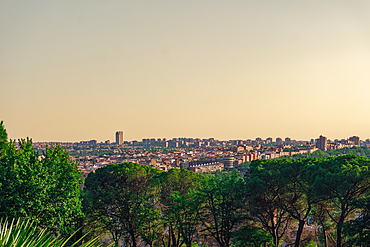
{"x":119,"y":139}
{"x":72,"y":71}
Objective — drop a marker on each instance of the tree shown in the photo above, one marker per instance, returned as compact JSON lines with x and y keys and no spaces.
{"x":319,"y":153}
{"x":44,"y":188}
{"x":295,"y":195}
{"x":253,"y":237}
{"x":182,"y":214}
{"x":340,"y":181}
{"x":264,"y":201}
{"x":3,"y":138}
{"x":177,"y":205}
{"x":122,"y":199}
{"x":321,"y":218}
{"x":357,"y":231}
{"x":222,"y":207}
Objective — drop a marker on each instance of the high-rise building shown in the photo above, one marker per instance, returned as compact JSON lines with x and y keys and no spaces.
{"x":119,"y":137}
{"x":279,"y":141}
{"x":322,"y":143}
{"x":288,"y":140}
{"x":355,"y":140}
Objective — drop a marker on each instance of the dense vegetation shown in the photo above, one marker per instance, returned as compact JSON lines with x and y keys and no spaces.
{"x":129,"y":203}
{"x":273,"y":201}
{"x":24,"y":233}
{"x":45,"y":190}
{"x":361,"y":151}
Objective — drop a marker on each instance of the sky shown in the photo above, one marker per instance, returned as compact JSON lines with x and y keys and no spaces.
{"x":80,"y":70}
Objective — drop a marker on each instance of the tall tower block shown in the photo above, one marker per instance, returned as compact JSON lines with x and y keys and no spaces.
{"x":322,"y":143}
{"x":119,"y":137}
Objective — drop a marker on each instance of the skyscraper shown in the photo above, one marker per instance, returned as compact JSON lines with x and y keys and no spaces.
{"x":321,"y":143}
{"x":119,"y":137}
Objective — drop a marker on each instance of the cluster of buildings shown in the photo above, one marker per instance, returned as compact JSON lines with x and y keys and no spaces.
{"x":324,"y":144}
{"x":195,"y":154}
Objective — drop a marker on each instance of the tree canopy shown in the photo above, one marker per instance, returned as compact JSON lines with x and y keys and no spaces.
{"x":274,"y":201}
{"x":122,"y":198}
{"x":44,"y":188}
{"x":3,"y":137}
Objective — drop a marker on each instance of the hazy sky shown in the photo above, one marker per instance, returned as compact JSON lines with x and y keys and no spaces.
{"x":76,"y":70}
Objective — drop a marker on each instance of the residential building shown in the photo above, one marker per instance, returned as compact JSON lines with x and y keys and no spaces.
{"x":119,"y":137}
{"x":322,"y":143}
{"x":355,"y":140}
{"x":279,"y":141}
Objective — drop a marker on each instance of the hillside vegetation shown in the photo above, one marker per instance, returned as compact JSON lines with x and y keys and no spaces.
{"x":275,"y":201}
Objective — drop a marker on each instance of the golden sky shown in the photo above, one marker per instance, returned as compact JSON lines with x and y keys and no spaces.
{"x":79,"y":70}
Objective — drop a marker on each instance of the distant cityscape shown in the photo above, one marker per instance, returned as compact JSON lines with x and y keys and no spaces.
{"x":195,"y":154}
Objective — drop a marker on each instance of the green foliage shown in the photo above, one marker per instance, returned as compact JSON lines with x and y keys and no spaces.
{"x":122,"y":198}
{"x":45,"y":189}
{"x":357,"y":231}
{"x":242,"y":168}
{"x":269,"y":188}
{"x":182,"y":215}
{"x":310,"y":243}
{"x":339,"y":181}
{"x":24,"y":233}
{"x":360,"y":151}
{"x":135,"y":203}
{"x":319,"y":154}
{"x":330,"y":185}
{"x":180,"y":180}
{"x":3,"y":138}
{"x":249,"y":236}
{"x":320,"y":216}
{"x":222,"y":206}
{"x":178,"y":208}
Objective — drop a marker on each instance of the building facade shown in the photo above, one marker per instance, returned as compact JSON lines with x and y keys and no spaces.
{"x":322,"y":143}
{"x":355,"y":140}
{"x":119,"y":137}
